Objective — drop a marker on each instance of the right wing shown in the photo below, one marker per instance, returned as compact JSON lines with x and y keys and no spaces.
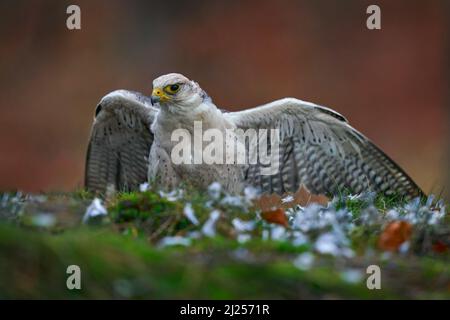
{"x":321,"y":151}
{"x":119,"y":146}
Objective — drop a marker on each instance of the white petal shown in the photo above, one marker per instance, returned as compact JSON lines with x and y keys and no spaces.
{"x":95,"y":209}
{"x":209,"y":226}
{"x":189,"y":213}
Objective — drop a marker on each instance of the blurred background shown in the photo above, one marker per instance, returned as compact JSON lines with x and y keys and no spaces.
{"x":392,"y":84}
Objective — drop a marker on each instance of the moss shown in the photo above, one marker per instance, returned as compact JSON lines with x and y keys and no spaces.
{"x":121,"y":258}
{"x":116,"y":267}
{"x":140,"y":206}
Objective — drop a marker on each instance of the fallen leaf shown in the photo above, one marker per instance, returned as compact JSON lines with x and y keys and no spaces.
{"x":439,"y":247}
{"x":268,"y":202}
{"x":303,"y":197}
{"x":277,"y":216}
{"x":395,"y":233}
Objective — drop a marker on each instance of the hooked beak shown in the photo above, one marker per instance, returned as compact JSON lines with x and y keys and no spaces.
{"x":158,"y":95}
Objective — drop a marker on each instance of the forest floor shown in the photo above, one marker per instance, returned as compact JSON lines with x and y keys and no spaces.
{"x":189,"y":245}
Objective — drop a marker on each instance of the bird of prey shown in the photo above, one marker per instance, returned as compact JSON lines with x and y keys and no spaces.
{"x":131,"y":144}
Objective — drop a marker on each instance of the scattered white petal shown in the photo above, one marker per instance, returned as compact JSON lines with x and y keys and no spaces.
{"x":326,"y":244}
{"x":413,"y":205}
{"x":251,"y":193}
{"x":143,"y":187}
{"x":392,"y":214}
{"x":242,"y":238}
{"x":208,"y":228}
{"x":37,"y":198}
{"x":242,"y":226}
{"x":278,"y":233}
{"x":347,"y":252}
{"x":352,"y":276}
{"x":304,"y":261}
{"x":189,"y":213}
{"x":194,"y":235}
{"x":354,"y":196}
{"x":232,"y":201}
{"x":174,"y":241}
{"x":287,"y":199}
{"x":173,"y":195}
{"x":404,"y":247}
{"x":44,"y":220}
{"x":95,"y":209}
{"x":299,"y":238}
{"x":215,"y":190}
{"x":311,"y":217}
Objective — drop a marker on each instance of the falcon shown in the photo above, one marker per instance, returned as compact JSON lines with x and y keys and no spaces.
{"x":131,"y":143}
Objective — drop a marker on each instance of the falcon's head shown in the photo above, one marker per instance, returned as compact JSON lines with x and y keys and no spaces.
{"x":175,"y":90}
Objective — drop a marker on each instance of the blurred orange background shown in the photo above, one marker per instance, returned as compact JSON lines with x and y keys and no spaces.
{"x":392,"y":84}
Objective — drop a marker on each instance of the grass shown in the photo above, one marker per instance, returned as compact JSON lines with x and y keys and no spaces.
{"x":121,"y":254}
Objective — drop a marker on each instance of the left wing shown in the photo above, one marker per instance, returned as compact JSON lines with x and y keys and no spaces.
{"x":119,"y":146}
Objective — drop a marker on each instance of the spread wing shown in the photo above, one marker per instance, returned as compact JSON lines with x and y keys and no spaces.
{"x":119,"y":146}
{"x":321,"y":151}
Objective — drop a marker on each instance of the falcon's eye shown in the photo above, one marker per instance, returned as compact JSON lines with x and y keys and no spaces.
{"x":172,"y":89}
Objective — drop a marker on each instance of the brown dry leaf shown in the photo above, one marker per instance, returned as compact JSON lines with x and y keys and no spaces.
{"x":303,"y":197}
{"x":395,"y":233}
{"x":277,"y":216}
{"x":268,"y":202}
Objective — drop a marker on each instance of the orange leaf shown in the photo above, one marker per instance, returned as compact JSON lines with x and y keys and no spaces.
{"x":303,"y":197}
{"x":277,"y":216}
{"x":395,"y":233}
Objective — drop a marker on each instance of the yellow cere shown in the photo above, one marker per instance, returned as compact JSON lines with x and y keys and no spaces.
{"x":160,"y":93}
